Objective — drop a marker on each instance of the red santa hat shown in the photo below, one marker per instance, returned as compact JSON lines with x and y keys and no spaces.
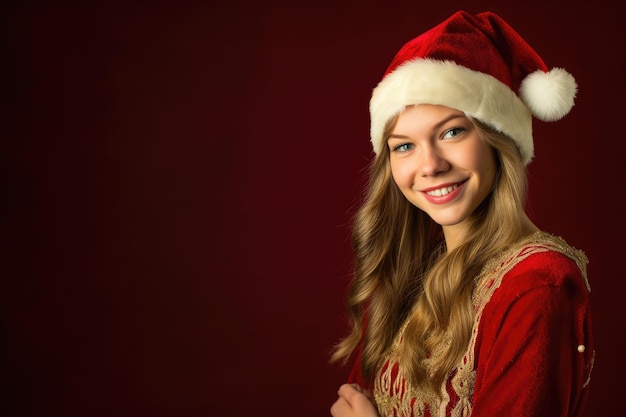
{"x":477,"y":64}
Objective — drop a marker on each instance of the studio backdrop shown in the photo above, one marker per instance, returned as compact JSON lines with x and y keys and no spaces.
{"x":178,"y":184}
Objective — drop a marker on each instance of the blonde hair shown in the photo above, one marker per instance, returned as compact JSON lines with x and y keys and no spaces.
{"x":403,"y":272}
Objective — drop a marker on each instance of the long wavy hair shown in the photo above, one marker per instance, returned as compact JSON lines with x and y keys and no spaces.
{"x":403,"y":272}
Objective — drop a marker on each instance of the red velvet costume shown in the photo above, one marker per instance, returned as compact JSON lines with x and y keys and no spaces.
{"x":531,"y":352}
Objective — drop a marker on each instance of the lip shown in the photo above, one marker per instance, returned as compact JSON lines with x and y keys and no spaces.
{"x":443,"y":199}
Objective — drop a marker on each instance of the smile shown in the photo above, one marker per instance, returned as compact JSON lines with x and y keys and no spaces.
{"x":442,"y":191}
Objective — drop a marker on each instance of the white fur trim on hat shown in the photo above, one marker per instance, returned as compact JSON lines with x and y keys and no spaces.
{"x":478,"y":95}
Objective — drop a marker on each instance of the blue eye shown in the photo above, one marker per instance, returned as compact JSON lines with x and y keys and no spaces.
{"x":403,"y":147}
{"x":454,"y":132}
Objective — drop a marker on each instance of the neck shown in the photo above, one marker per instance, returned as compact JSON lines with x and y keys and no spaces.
{"x":454,"y":235}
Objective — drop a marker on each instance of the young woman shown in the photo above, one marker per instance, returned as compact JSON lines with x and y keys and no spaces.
{"x":459,"y":304}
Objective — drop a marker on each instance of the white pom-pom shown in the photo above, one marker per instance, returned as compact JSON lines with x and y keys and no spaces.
{"x":549,"y":95}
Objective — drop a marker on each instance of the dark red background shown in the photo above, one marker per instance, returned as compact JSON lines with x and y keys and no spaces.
{"x":177,"y":181}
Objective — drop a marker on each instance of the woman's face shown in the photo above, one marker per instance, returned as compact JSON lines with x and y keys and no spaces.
{"x":440,"y":163}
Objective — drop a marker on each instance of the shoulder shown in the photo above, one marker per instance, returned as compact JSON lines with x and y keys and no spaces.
{"x":540,"y":264}
{"x":548,"y":268}
{"x":540,"y":288}
{"x":533,"y":325}
{"x":547,"y":260}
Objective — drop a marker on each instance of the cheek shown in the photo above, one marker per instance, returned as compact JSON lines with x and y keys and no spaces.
{"x":488,"y":170}
{"x":483,"y":161}
{"x":401,"y":174}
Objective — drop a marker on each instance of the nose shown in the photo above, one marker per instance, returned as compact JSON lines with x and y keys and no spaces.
{"x":431,"y":162}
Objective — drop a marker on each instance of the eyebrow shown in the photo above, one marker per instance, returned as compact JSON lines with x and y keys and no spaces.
{"x":435,"y":127}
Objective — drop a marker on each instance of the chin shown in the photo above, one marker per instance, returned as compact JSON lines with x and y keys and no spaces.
{"x":448,"y":221}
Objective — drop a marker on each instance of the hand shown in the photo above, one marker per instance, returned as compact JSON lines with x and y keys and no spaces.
{"x":353,"y":401}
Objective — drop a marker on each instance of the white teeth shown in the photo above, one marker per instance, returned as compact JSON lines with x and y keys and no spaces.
{"x":442,"y":191}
